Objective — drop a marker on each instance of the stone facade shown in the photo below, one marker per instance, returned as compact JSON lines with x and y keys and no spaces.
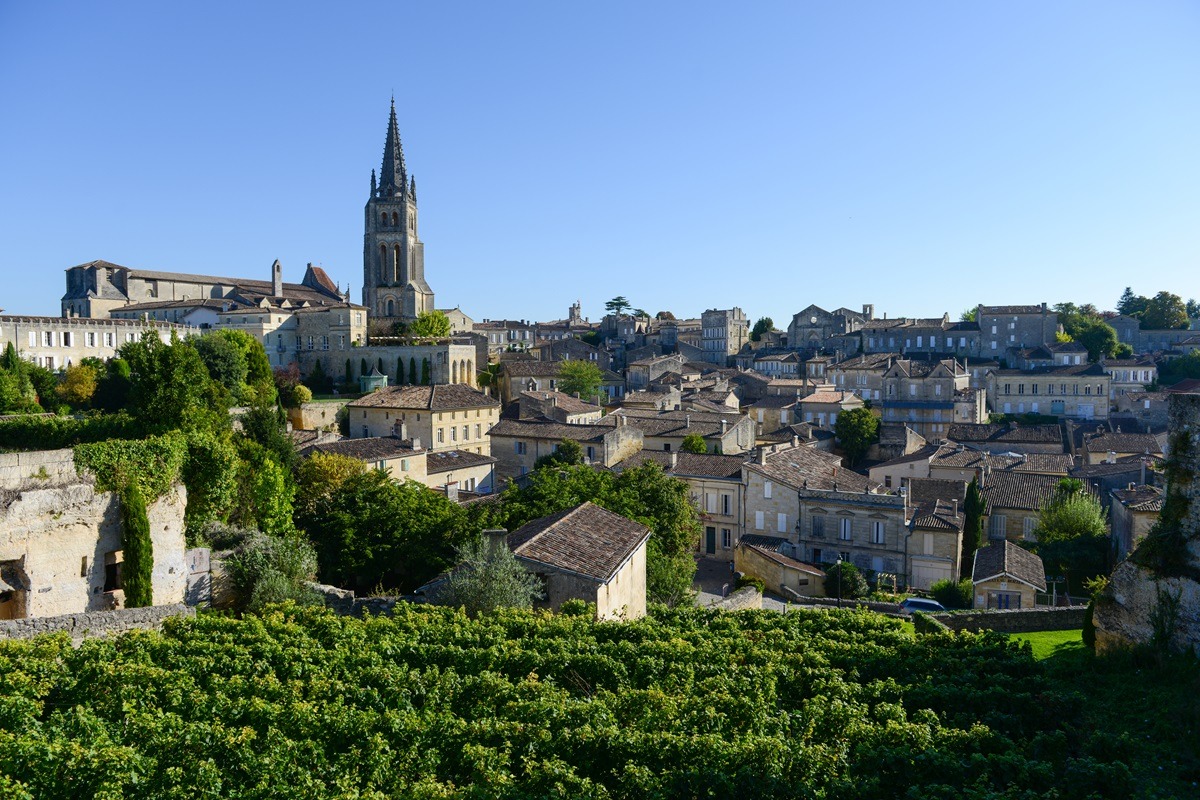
{"x":1005,"y":327}
{"x":442,"y":428}
{"x":59,"y":342}
{"x":449,"y":362}
{"x":60,"y":540}
{"x":1076,"y":392}
{"x":723,"y":332}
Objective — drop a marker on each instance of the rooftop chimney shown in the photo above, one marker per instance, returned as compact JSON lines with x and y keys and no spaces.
{"x":724,"y":426}
{"x":277,"y":279}
{"x":1112,"y":457}
{"x":495,"y":538}
{"x":674,"y":459}
{"x":687,"y":420}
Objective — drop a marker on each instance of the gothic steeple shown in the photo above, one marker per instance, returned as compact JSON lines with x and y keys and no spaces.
{"x":393,"y":178}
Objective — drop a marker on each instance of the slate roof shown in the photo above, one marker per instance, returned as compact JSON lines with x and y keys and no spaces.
{"x":971,"y":432}
{"x":375,"y":448}
{"x":1140,"y":498}
{"x":1003,"y":558}
{"x":1017,"y":490}
{"x":442,"y":397}
{"x":795,"y":466}
{"x":455,"y":459}
{"x":586,"y":540}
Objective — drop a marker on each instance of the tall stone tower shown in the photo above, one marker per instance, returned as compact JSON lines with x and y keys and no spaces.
{"x":394,"y":286}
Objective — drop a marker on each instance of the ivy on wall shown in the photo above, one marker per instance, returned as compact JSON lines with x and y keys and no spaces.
{"x":152,"y":464}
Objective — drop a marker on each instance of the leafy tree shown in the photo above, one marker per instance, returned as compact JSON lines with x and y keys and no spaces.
{"x":17,"y":392}
{"x":225,"y":362}
{"x":974,"y":507}
{"x":259,"y":378}
{"x":693,"y":443}
{"x":363,"y":369}
{"x":266,"y":425}
{"x":1072,"y":534}
{"x":489,"y":376}
{"x":856,"y":429}
{"x":1098,"y":337}
{"x":320,"y":475}
{"x":640,"y":313}
{"x":953,"y":594}
{"x":488,"y":578}
{"x":1193,"y":309}
{"x":618,"y":305}
{"x":78,"y":385}
{"x":372,"y":531}
{"x":1164,"y":311}
{"x":969,"y":315}
{"x":577,"y":376}
{"x":265,"y":491}
{"x":852,"y":584}
{"x":568,"y":452}
{"x":170,"y":387}
{"x":763,"y":325}
{"x":349,"y":371}
{"x":1130,"y":304}
{"x":286,"y":379}
{"x":1178,"y":369}
{"x":210,"y":473}
{"x":400,"y":369}
{"x":301,"y":395}
{"x":430,"y":324}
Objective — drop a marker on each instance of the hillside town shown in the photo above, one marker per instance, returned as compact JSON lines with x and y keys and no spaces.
{"x":178,"y":446}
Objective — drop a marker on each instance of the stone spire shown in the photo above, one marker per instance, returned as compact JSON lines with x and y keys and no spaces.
{"x":394,"y":175}
{"x":412,"y":187}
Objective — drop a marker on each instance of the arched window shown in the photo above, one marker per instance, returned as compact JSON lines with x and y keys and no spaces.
{"x":470,"y":372}
{"x":454,"y":372}
{"x":383,"y":218}
{"x":395,"y":220}
{"x":391,"y":308}
{"x":396,"y":277}
{"x":383,"y":271}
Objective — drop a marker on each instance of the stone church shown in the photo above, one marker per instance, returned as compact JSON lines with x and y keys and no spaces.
{"x":394,"y":286}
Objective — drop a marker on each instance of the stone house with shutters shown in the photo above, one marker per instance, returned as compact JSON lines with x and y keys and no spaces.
{"x":1108,"y":447}
{"x":443,"y":417}
{"x":1129,"y":375}
{"x":822,"y":407}
{"x":59,"y":342}
{"x":715,"y":485}
{"x":929,"y":396}
{"x":1007,"y":576}
{"x":773,"y":412}
{"x":540,"y":376}
{"x":725,"y":433}
{"x":936,"y":520}
{"x":862,"y":374}
{"x":1002,"y":328}
{"x":517,"y":444}
{"x":1014,"y":500}
{"x":558,"y":407}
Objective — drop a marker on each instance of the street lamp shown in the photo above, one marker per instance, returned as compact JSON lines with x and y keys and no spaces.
{"x":839,"y":589}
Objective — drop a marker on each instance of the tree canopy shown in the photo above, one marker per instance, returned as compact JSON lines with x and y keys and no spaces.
{"x":1165,"y":311}
{"x":763,"y":325}
{"x":577,"y":376}
{"x":486,"y":578}
{"x":618,"y":305}
{"x":1072,"y":534}
{"x":856,"y":429}
{"x":693,"y":443}
{"x":430,"y":324}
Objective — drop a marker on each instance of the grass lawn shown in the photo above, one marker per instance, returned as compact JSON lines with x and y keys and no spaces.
{"x":1051,"y":643}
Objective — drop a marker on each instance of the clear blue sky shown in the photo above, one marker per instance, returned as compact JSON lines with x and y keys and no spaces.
{"x":921,"y":156}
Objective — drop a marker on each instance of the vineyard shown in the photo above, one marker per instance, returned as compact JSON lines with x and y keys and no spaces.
{"x":303,"y":704}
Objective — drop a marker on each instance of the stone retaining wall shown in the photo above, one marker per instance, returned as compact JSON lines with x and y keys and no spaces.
{"x":745,"y":598}
{"x":831,"y":602}
{"x":94,"y":623}
{"x":1022,"y":620}
{"x":37,"y":468}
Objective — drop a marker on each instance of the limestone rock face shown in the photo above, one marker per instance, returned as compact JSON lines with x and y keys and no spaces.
{"x":1149,"y":605}
{"x":1136,"y":600}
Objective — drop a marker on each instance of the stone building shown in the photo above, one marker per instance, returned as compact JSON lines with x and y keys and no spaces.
{"x":811,"y":328}
{"x":726,"y":433}
{"x":1002,"y":328}
{"x":447,"y":361}
{"x":929,"y":396}
{"x":517,"y":444}
{"x":762,"y":557}
{"x":724,"y":331}
{"x":1129,"y":330}
{"x":443,"y":417}
{"x":61,"y":540}
{"x":394,"y":286}
{"x":1129,"y":375}
{"x":59,"y":342}
{"x":587,"y":553}
{"x":1078,"y":391}
{"x":1133,"y":512}
{"x":1006,"y":576}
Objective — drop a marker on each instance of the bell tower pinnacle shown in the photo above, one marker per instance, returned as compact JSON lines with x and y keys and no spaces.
{"x":394,"y":284}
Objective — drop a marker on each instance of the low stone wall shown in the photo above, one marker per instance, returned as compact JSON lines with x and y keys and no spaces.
{"x":37,"y":468}
{"x":745,"y":598}
{"x":1017,"y":620}
{"x":831,"y":602}
{"x":94,"y":623}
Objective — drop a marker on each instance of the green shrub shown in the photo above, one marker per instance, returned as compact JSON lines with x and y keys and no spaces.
{"x":750,"y":580}
{"x":953,"y":594}
{"x":37,"y":432}
{"x":852,"y":584}
{"x":1089,"y":626}
{"x":577,"y":608}
{"x":268,"y":569}
{"x":923,"y":623}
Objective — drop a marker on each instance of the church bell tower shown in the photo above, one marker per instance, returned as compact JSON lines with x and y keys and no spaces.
{"x":394,"y":286}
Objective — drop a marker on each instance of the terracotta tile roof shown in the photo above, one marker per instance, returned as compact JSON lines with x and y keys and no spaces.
{"x":795,"y":466}
{"x":1016,"y":490}
{"x":1048,"y":463}
{"x":941,"y":515}
{"x":546,"y":429}
{"x":768,"y":547}
{"x":1140,"y":498}
{"x":1003,"y":558}
{"x":831,"y":397}
{"x":688,"y":465}
{"x":568,"y":403}
{"x":442,"y":397}
{"x":970,"y":432}
{"x":1123,"y":443}
{"x":586,"y":540}
{"x":454,"y":459}
{"x":375,"y":448}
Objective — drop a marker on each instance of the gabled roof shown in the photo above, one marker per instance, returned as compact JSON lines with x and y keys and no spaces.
{"x":1123,"y":443}
{"x":586,"y":540}
{"x":1140,"y":498}
{"x":970,"y":432}
{"x":1048,"y":463}
{"x":545,"y":429}
{"x":803,"y":466}
{"x":687,"y":465}
{"x":375,"y":448}
{"x":448,"y":460}
{"x":769,"y":546}
{"x":940,"y":515}
{"x":1003,"y":559}
{"x":1022,"y":491}
{"x":826,"y":396}
{"x":1014,"y":310}
{"x":441,"y":397}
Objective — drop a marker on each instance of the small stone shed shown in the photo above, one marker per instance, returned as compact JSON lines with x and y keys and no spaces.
{"x":1007,"y":575}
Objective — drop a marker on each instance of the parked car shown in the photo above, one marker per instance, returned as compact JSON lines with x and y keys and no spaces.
{"x":912,"y":604}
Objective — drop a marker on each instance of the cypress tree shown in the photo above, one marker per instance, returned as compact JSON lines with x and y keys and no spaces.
{"x":400,"y":370}
{"x":349,"y":371}
{"x":973,"y":508}
{"x":137,"y":571}
{"x":412,"y":370}
{"x":425,"y":381}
